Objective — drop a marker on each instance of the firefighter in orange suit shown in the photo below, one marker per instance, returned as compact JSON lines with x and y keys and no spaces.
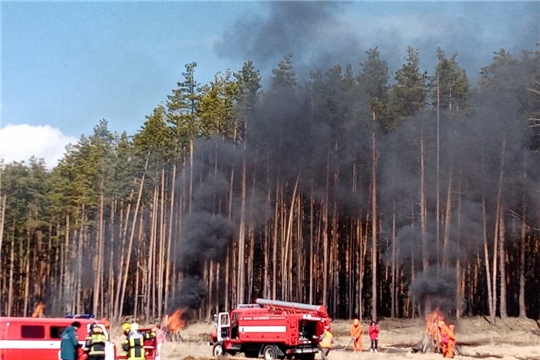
{"x":451,"y":342}
{"x":443,"y":336}
{"x":326,"y":341}
{"x":356,"y":335}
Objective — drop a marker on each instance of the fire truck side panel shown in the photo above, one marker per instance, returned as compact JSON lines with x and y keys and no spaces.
{"x":271,"y":329}
{"x":39,"y":338}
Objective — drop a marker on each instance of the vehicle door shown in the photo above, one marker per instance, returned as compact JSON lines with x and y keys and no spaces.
{"x":223,"y":327}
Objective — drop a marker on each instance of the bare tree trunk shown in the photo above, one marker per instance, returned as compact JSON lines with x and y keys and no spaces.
{"x":230,"y":247}
{"x":150,"y":276}
{"x":169,"y":240}
{"x":241,"y":275}
{"x":190,"y":195}
{"x":496,"y":246}
{"x":3,"y":200}
{"x":98,"y":257}
{"x":112,"y":256}
{"x":311,"y":250}
{"x":491,"y":300}
{"x":374,"y":226}
{"x":423,"y":207}
{"x":288,"y":235}
{"x":138,"y":269}
{"x":448,"y":217}
{"x":11,"y":269}
{"x":324,"y":234}
{"x":521,"y":300}
{"x":274,"y":244}
{"x":363,"y":249}
{"x":502,"y":267}
{"x":438,"y":194}
{"x":250,"y":262}
{"x":162,"y":257}
{"x":394,"y":272}
{"x":300,"y":258}
{"x":27,"y":272}
{"x":123,"y":254}
{"x":266,"y":252}
{"x":334,"y":261}
{"x":79,"y":259}
{"x":65,"y":270}
{"x":125,"y":274}
{"x":522,"y":245}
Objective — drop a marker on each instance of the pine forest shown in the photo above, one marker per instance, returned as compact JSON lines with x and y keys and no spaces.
{"x":377,"y":192}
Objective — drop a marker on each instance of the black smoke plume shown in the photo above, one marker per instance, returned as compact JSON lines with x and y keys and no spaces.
{"x":295,"y":141}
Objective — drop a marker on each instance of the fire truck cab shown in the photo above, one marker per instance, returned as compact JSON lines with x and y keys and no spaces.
{"x":24,"y":338}
{"x":275,"y":329}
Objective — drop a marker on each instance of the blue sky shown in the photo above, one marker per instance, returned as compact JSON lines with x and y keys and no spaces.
{"x":66,"y":65}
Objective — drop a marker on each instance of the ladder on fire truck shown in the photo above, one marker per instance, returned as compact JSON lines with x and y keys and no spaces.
{"x":286,"y":307}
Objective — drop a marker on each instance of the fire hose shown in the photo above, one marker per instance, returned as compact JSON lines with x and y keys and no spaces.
{"x":349,"y":344}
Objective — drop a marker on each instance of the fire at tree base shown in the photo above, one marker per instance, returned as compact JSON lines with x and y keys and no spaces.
{"x":438,"y":337}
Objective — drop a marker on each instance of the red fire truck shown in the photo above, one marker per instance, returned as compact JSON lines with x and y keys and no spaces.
{"x":25,"y":338}
{"x":275,"y":329}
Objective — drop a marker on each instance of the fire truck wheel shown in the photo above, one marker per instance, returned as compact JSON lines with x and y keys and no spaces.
{"x":218,"y":350}
{"x":270,"y":352}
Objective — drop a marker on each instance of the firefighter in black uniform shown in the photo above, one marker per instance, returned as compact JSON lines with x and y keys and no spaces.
{"x":94,"y":345}
{"x":134,"y":344}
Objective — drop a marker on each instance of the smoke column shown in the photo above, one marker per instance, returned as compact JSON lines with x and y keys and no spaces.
{"x":292,"y":142}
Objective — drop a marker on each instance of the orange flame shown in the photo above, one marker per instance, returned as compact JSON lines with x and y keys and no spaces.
{"x":38,"y":311}
{"x":175,"y":322}
{"x":432,"y":320}
{"x":432,"y":327}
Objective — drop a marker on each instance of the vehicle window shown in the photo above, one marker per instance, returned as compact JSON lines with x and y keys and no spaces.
{"x":56,"y":331}
{"x":224,"y":320}
{"x":32,"y":332}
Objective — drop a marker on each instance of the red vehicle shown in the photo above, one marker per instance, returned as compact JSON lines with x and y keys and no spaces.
{"x":25,"y":338}
{"x":275,"y":329}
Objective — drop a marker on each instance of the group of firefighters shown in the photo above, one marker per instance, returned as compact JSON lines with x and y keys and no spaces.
{"x":327,"y":338}
{"x":442,"y":335}
{"x":133,"y":344}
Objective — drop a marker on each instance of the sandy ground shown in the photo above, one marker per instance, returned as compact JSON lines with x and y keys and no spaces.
{"x":476,"y":338}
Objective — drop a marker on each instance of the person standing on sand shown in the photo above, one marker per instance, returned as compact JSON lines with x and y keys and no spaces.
{"x":450,"y":342}
{"x":374,"y":336}
{"x":443,"y":336}
{"x":356,"y":335}
{"x":95,"y":343}
{"x":69,"y":345}
{"x":160,"y":340}
{"x":134,"y":344}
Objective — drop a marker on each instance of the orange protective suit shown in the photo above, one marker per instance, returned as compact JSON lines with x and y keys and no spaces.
{"x":356,"y":334}
{"x":443,"y":336}
{"x":449,"y":348}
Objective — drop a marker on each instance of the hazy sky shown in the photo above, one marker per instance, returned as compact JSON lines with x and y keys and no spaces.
{"x":66,"y":65}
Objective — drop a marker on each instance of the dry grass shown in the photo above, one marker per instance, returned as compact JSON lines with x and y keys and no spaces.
{"x":476,"y":338}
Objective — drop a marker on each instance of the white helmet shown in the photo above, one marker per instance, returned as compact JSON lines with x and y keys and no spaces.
{"x":134,"y":327}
